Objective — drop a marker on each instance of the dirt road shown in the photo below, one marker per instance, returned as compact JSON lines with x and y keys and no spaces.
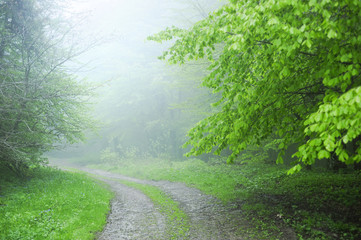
{"x":133,"y":216}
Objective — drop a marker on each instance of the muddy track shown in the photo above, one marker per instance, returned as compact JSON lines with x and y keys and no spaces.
{"x":133,"y":216}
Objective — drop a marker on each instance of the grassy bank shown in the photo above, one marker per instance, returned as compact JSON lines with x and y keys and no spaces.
{"x":311,"y":204}
{"x":52,"y":204}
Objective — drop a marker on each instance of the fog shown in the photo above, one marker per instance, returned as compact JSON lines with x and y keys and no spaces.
{"x":143,"y":106}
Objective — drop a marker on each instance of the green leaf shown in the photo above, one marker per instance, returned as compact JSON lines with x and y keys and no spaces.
{"x":294,"y":169}
{"x":277,"y":42}
{"x":343,"y":156}
{"x":331,"y":34}
{"x":302,"y":29}
{"x":355,"y":72}
{"x":345,"y":58}
{"x":323,"y":154}
{"x":273,"y":21}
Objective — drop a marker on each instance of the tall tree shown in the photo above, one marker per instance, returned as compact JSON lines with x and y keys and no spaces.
{"x":287,"y":68}
{"x":40,"y":103}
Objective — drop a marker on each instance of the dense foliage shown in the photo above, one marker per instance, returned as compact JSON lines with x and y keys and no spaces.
{"x":40,"y":103}
{"x":288,"y":70}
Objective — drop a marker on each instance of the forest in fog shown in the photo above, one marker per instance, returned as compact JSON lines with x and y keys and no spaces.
{"x":180,"y":119}
{"x":144,"y":107}
{"x":128,"y":80}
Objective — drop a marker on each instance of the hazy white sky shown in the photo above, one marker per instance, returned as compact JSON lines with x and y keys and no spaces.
{"x":127,"y":23}
{"x":116,"y":15}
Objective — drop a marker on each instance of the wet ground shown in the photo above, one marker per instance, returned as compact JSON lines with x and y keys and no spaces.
{"x":133,"y":216}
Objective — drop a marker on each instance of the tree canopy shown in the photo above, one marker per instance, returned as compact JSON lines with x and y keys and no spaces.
{"x":287,"y":69}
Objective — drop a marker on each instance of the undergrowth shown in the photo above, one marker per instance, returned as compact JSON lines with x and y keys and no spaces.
{"x":308,"y":205}
{"x":52,"y":204}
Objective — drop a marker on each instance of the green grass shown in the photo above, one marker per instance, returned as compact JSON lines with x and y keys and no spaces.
{"x":211,"y":180}
{"x":226,"y":182}
{"x":313,"y":204}
{"x":52,"y":205}
{"x":177,"y":220}
{"x":317,"y":205}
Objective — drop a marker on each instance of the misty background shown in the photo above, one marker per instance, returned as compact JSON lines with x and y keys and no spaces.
{"x":143,"y":106}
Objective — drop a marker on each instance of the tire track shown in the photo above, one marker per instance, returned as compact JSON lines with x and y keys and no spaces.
{"x":132,"y":216}
{"x":209,"y":218}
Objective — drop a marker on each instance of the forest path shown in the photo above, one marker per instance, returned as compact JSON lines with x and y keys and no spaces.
{"x":132,"y":215}
{"x":208,"y":217}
